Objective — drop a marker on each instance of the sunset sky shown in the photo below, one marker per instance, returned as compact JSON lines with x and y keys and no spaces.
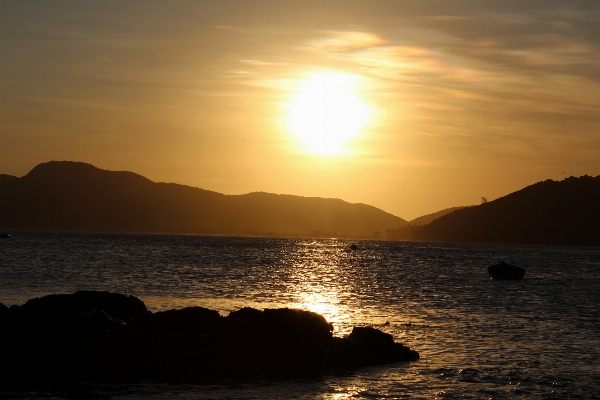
{"x":411,"y":106}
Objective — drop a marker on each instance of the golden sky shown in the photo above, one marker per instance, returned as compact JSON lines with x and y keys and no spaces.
{"x":433,"y":103}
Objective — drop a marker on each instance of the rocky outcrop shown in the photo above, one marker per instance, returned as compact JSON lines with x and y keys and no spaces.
{"x":115,"y":305}
{"x":63,"y":340}
{"x":375,"y":347}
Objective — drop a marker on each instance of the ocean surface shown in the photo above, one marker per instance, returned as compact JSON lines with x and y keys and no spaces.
{"x":538,"y":338}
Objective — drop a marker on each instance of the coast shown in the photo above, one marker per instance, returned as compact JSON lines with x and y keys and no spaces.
{"x":62,"y":340}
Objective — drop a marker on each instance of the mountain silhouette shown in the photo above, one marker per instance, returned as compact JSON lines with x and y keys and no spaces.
{"x":78,"y":197}
{"x":428,"y":218}
{"x":548,"y":212}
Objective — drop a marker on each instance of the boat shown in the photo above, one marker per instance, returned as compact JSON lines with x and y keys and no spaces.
{"x":4,"y":235}
{"x":506,"y":271}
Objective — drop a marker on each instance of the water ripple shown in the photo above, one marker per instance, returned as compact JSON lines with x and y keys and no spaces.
{"x":538,"y":338}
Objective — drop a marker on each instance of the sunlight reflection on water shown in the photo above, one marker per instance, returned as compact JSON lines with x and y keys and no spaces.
{"x":539,"y":337}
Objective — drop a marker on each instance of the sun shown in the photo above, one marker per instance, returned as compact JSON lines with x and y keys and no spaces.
{"x":326,"y":112}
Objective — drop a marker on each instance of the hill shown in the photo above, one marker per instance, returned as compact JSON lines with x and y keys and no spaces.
{"x":74,"y":196}
{"x":428,"y":218}
{"x":548,"y":212}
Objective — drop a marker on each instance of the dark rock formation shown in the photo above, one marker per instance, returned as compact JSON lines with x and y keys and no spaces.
{"x":506,"y":271}
{"x":63,"y":340}
{"x":354,"y":247}
{"x":376,"y":347}
{"x":188,"y":321}
{"x":115,"y":305}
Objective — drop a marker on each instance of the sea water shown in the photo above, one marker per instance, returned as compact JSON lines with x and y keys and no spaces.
{"x":538,"y":338}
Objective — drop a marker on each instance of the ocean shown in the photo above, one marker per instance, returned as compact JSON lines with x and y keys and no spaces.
{"x":538,"y":338}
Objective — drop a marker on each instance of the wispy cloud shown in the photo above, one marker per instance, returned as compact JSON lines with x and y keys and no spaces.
{"x":518,"y":89}
{"x":258,"y":63}
{"x":340,"y":41}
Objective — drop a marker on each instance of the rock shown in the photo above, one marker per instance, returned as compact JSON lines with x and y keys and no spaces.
{"x":506,"y":271}
{"x":62,"y":341}
{"x":280,"y":322}
{"x":376,"y":347}
{"x":4,"y":312}
{"x":354,"y":247}
{"x":99,"y":320}
{"x":117,"y":306}
{"x":280,"y":342}
{"x":341,"y":355}
{"x":190,"y":321}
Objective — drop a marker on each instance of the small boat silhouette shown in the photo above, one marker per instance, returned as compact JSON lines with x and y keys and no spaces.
{"x":4,"y":235}
{"x":506,"y":271}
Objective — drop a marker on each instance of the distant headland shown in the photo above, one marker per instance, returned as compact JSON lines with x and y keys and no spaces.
{"x":78,"y":197}
{"x":546,"y":213}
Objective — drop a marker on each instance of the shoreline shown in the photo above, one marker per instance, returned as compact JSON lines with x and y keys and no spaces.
{"x":102,"y":337}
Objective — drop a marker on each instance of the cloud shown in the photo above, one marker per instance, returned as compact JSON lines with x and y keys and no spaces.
{"x":518,"y":95}
{"x":342,"y":41}
{"x":448,"y":18}
{"x":486,"y":82}
{"x":400,"y":62}
{"x":258,"y":63}
{"x":441,"y":59}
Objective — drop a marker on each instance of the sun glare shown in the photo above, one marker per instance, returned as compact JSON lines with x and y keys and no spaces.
{"x":326,"y":112}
